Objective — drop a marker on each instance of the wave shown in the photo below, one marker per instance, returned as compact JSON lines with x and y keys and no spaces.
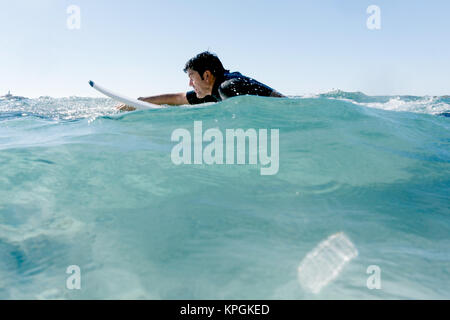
{"x":436,"y":105}
{"x":84,"y":185}
{"x":75,"y":108}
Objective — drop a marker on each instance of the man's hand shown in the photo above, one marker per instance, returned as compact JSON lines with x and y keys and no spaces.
{"x":124,"y":107}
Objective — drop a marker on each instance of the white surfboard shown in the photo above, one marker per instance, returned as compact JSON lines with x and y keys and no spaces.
{"x":138,"y":104}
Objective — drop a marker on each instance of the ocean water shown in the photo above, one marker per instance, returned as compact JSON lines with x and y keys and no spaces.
{"x":83,"y":185}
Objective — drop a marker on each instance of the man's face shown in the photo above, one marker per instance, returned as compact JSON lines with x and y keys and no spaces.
{"x":202,"y":87}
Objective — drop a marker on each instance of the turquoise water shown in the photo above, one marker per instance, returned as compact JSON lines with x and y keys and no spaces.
{"x":82,"y":185}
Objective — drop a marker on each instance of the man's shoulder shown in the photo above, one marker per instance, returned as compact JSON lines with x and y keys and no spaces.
{"x":233,"y":75}
{"x":235,"y":78}
{"x":235,"y":84}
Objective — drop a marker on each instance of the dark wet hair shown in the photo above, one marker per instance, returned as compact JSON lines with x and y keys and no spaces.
{"x":206,"y":61}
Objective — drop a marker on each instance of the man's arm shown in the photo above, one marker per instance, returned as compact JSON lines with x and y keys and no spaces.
{"x":173,"y":99}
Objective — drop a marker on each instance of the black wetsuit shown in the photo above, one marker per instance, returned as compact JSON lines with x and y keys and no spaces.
{"x":231,"y":85}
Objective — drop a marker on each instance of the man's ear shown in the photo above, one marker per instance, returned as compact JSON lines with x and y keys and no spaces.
{"x":207,"y":75}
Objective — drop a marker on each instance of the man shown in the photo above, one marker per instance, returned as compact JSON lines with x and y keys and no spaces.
{"x":211,"y":83}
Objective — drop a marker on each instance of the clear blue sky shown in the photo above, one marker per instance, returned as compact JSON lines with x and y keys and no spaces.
{"x":139,"y":47}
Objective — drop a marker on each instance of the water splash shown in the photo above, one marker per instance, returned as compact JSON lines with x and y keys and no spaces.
{"x":436,"y":105}
{"x":71,"y":108}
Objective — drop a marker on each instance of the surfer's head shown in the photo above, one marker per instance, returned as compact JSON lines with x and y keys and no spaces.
{"x":203,"y":70}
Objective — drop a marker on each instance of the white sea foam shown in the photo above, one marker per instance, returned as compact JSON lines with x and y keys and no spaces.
{"x":423,"y":104}
{"x":428,"y":105}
